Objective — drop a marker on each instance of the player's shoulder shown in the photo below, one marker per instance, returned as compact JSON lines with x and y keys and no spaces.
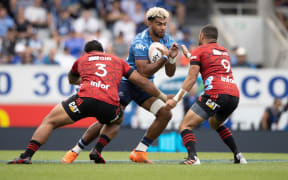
{"x":142,"y":37}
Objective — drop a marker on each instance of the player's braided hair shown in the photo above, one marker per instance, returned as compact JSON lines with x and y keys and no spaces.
{"x":155,"y":12}
{"x":93,"y":45}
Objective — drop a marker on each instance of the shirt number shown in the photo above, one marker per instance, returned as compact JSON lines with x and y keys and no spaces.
{"x":225,"y":63}
{"x":101,"y":71}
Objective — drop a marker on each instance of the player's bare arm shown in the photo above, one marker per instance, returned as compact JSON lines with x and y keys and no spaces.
{"x":170,"y":66}
{"x":147,"y":69}
{"x":188,"y":82}
{"x":146,"y":85}
{"x":74,"y":78}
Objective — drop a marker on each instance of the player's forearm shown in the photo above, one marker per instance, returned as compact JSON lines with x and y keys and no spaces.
{"x":170,"y":69}
{"x":146,"y":85}
{"x":150,"y":69}
{"x":186,"y":86}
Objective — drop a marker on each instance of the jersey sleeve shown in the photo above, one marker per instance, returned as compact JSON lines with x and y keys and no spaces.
{"x":195,"y":57}
{"x":140,"y":50}
{"x":127,"y":70}
{"x":74,"y":69}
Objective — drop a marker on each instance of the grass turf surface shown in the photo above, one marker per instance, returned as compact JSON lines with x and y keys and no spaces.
{"x":46,"y":165}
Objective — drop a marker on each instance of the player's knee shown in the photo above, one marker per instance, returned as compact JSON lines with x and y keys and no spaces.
{"x":164,"y":114}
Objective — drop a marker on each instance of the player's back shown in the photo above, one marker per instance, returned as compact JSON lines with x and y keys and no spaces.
{"x":100,"y":75}
{"x":216,"y":70}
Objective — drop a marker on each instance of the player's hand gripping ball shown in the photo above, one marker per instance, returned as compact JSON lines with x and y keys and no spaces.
{"x":153,"y":53}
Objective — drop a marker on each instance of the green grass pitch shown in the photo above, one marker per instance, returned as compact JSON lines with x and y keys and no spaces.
{"x":46,"y":165}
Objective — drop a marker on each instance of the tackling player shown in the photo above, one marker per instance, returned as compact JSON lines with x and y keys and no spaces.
{"x":220,"y":98}
{"x":157,"y":19}
{"x":99,"y":75}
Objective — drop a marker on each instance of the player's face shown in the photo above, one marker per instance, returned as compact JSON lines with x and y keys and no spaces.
{"x":158,"y":27}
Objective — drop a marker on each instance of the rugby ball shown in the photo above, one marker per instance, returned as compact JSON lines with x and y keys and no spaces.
{"x":153,"y":53}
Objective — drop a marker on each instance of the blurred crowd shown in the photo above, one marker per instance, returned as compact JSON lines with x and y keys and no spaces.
{"x":281,"y":10}
{"x":54,"y":31}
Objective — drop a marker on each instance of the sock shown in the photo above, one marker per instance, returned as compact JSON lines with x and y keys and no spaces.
{"x":32,"y":147}
{"x":189,"y":142}
{"x":144,"y":144}
{"x":79,"y":146}
{"x":102,"y":141}
{"x":227,"y":137}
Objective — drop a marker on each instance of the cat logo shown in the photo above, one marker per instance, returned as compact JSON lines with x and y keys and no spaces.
{"x":211,"y":104}
{"x":73,"y":107}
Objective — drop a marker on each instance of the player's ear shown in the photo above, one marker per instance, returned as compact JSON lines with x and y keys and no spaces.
{"x":149,"y":22}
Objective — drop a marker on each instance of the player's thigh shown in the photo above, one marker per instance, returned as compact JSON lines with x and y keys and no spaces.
{"x":57,"y":117}
{"x":228,"y":106}
{"x":191,"y":120}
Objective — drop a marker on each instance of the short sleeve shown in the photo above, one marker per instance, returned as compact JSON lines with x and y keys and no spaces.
{"x":195,"y":57}
{"x":74,"y":69}
{"x":140,"y":50}
{"x":127,"y":70}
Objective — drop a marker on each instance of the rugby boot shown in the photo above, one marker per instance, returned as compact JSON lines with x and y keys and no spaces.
{"x":191,"y":161}
{"x":139,"y":157}
{"x":69,"y":157}
{"x":20,"y":160}
{"x":239,"y":159}
{"x":96,"y":156}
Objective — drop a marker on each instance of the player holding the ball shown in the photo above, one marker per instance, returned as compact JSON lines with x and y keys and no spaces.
{"x":157,"y":19}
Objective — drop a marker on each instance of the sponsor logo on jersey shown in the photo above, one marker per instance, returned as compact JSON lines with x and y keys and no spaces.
{"x":208,"y":83}
{"x":99,"y":58}
{"x":99,"y":84}
{"x":227,"y":79}
{"x":140,"y":46}
{"x":211,"y":104}
{"x":193,"y":57}
{"x":73,"y":107}
{"x":219,"y":53}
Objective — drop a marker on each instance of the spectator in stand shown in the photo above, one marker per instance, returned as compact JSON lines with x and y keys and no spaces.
{"x":74,"y":43}
{"x":187,"y":38}
{"x":62,"y":26}
{"x":23,"y":27}
{"x":6,"y":22}
{"x":8,"y":47}
{"x":101,"y":35}
{"x":29,"y":58}
{"x":271,"y":116}
{"x":174,"y":31}
{"x":126,"y":26}
{"x":134,"y":10}
{"x":120,"y":48}
{"x":233,"y":57}
{"x":36,"y":14}
{"x":114,"y":14}
{"x":35,"y":44}
{"x":177,"y":7}
{"x":50,"y":57}
{"x":87,"y":24}
{"x":102,"y":7}
{"x":65,"y":59}
{"x":188,"y":42}
{"x":242,"y":60}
